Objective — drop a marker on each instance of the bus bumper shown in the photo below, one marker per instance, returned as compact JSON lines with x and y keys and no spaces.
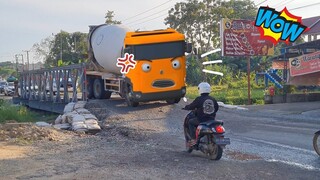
{"x":167,"y":95}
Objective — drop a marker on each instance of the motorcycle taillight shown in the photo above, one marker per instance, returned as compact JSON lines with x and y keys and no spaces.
{"x":220,"y":129}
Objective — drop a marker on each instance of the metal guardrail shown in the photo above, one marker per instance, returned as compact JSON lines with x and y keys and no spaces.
{"x":53,"y":85}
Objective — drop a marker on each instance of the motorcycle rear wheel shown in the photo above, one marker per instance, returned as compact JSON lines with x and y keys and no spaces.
{"x":188,"y":148}
{"x":316,"y":142}
{"x":215,"y":152}
{"x":187,"y":137}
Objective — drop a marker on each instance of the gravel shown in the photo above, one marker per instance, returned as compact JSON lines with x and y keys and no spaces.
{"x":135,"y":143}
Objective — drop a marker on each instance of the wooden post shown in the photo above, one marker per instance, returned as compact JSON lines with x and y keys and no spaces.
{"x":249,"y":85}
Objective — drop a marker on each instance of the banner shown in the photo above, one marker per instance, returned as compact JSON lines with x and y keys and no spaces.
{"x":305,"y":80}
{"x":278,"y":64}
{"x":242,"y":38}
{"x":305,"y":64}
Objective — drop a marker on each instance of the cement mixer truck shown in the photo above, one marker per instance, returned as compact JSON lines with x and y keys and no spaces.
{"x":159,"y":71}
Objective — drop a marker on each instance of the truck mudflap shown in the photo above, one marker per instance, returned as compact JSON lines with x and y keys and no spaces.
{"x":144,"y":97}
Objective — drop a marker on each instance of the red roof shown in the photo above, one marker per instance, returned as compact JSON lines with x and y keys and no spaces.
{"x":313,"y":23}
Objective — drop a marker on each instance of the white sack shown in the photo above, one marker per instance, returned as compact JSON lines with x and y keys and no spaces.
{"x":69,"y":107}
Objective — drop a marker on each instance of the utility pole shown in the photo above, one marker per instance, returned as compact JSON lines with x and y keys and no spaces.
{"x":17,"y":61}
{"x":75,"y":44}
{"x":60,"y":47}
{"x":28,"y":60}
{"x":75,"y":48}
{"x":22,"y":62}
{"x":16,"y":56}
{"x":249,"y":84}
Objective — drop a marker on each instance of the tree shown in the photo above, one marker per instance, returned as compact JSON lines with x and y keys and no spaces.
{"x":60,"y":49}
{"x":43,"y":48}
{"x":188,"y":18}
{"x":239,"y":9}
{"x":66,"y":48}
{"x":7,"y":69}
{"x":109,"y":18}
{"x":199,"y":20}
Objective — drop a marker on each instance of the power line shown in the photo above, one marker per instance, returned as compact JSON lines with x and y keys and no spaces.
{"x":146,"y":11}
{"x":304,"y":6}
{"x":262,"y":2}
{"x":276,"y":4}
{"x":150,"y":19}
{"x":283,"y":3}
{"x":148,"y":16}
{"x":1,"y":56}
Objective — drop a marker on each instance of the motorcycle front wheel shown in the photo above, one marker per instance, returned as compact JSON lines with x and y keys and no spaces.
{"x":316,"y":143}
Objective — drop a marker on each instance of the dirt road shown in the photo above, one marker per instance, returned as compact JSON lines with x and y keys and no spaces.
{"x":136,"y":143}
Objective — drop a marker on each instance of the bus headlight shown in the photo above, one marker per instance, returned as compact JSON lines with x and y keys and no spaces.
{"x":183,"y":90}
{"x":138,"y":95}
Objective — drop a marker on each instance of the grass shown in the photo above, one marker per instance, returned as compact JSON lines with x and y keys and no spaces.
{"x":15,"y":113}
{"x":230,"y":96}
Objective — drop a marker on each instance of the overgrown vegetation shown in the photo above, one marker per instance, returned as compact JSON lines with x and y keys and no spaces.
{"x":17,"y":113}
{"x":199,"y":20}
{"x":233,"y":96}
{"x":231,"y":88}
{"x":7,"y":69}
{"x":62,"y":48}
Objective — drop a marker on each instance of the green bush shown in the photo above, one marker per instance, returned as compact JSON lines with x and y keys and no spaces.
{"x":259,"y":101}
{"x":289,"y":89}
{"x":234,"y":96}
{"x":15,"y":113}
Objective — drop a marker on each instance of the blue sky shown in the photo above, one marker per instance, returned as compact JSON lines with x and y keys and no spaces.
{"x":26,"y":22}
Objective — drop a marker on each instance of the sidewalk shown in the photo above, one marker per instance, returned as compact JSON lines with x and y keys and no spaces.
{"x":311,"y":109}
{"x":294,"y":111}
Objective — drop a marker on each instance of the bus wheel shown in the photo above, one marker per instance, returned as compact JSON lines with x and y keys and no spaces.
{"x":173,"y":101}
{"x":128,"y":98}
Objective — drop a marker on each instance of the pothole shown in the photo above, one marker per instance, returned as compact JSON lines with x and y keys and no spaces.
{"x":241,"y":156}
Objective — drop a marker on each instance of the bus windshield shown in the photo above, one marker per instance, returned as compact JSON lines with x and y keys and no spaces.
{"x":158,"y":50}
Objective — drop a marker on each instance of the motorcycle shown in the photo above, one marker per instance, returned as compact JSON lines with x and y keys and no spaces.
{"x":209,"y":137}
{"x":316,"y":143}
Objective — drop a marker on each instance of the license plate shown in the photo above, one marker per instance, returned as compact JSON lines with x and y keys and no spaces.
{"x":222,"y":141}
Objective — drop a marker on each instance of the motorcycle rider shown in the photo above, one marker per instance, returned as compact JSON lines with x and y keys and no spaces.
{"x":205,"y":108}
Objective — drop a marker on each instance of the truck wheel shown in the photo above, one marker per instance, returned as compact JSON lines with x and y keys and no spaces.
{"x":90,"y":89}
{"x":98,"y":89}
{"x":107,"y":94}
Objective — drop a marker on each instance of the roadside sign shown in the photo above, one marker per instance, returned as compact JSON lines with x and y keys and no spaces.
{"x":242,"y":38}
{"x":305,"y":64}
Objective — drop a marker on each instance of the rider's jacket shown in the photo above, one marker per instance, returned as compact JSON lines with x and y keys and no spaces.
{"x":205,"y":106}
